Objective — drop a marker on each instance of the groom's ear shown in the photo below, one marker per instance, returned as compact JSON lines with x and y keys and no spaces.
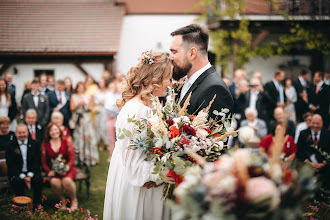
{"x":193,"y":53}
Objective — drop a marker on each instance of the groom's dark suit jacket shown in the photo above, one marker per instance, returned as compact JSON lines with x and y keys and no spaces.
{"x":204,"y":88}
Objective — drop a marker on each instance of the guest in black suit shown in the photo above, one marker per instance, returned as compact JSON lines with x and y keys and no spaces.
{"x":280,"y":116}
{"x":5,"y":137}
{"x":27,"y":90}
{"x":319,"y":98}
{"x":301,"y":85}
{"x":23,"y":161}
{"x":315,"y":135}
{"x":36,"y":131}
{"x":274,"y":93}
{"x":43,"y":84}
{"x":239,"y":75}
{"x":11,"y":86}
{"x":254,"y":98}
{"x":190,"y":58}
{"x":37,"y":101}
{"x":59,"y":100}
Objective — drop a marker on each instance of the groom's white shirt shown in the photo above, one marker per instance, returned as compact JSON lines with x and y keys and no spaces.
{"x":192,"y":79}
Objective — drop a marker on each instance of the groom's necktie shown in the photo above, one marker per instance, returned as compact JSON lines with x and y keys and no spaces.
{"x":185,"y":89}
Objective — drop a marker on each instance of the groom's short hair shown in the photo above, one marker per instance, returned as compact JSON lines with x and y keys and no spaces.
{"x":194,"y":34}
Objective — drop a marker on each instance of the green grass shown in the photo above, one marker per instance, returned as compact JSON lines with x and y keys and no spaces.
{"x":98,"y":180}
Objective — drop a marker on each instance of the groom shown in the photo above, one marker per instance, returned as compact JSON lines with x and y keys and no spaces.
{"x":189,"y":57}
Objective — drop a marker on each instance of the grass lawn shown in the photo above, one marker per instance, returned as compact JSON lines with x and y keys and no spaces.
{"x":98,"y":180}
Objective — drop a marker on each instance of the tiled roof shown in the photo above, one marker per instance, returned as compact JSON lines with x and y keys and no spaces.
{"x":46,"y":26}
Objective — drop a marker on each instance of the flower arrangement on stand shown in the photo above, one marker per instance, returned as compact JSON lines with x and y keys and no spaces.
{"x":170,"y":130}
{"x":243,"y":185}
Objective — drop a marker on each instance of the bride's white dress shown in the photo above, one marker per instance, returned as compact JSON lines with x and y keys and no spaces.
{"x":125,"y":198}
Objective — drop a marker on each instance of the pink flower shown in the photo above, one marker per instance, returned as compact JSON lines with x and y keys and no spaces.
{"x":39,"y":207}
{"x":314,"y":208}
{"x":68,"y":209}
{"x":90,"y":218}
{"x":57,"y":205}
{"x":29,"y":213}
{"x":88,"y":212}
{"x":312,"y":218}
{"x":202,"y":133}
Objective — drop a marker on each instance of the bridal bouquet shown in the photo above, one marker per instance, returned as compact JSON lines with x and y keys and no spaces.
{"x":170,"y":130}
{"x":60,"y":165}
{"x":242,"y":185}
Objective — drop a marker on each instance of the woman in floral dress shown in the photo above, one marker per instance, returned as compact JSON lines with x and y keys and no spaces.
{"x":84,"y":138}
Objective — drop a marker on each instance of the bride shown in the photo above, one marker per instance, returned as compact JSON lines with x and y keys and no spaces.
{"x":131,"y":192}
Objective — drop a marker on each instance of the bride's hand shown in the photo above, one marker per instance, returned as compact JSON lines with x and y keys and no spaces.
{"x":169,"y":180}
{"x":149,"y":184}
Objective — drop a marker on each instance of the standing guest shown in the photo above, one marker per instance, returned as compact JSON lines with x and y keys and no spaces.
{"x":27,"y":89}
{"x":241,"y":90}
{"x":101,"y":115}
{"x":302,"y":86}
{"x":90,"y":89}
{"x":258,"y":125}
{"x":226,"y":80}
{"x":319,"y":98}
{"x":318,"y":136}
{"x":68,"y":85}
{"x":112,"y":111}
{"x":23,"y":161}
{"x":291,"y":95}
{"x":107,"y":77}
{"x":233,"y":88}
{"x":84,"y":138}
{"x":254,"y":98}
{"x":50,"y":83}
{"x":11,"y":86}
{"x":327,"y":77}
{"x":57,"y":118}
{"x":59,"y":100}
{"x":5,"y":137}
{"x":280,"y":116}
{"x":303,"y":125}
{"x":7,"y":104}
{"x":43,"y":84}
{"x":37,"y":101}
{"x":258,"y":76}
{"x":274,"y":93}
{"x":53,"y":146}
{"x":36,"y":130}
{"x":289,"y":147}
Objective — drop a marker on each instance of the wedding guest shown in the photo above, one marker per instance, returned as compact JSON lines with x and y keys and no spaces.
{"x":59,"y":100}
{"x":101,"y":115}
{"x":11,"y":86}
{"x":258,"y":76}
{"x":111,"y":108}
{"x":226,"y":80}
{"x":27,"y":89}
{"x":68,"y":85}
{"x":303,"y":125}
{"x":274,"y":93}
{"x":43,"y":84}
{"x":90,"y":89}
{"x":7,"y":104}
{"x":242,"y":89}
{"x":5,"y":137}
{"x":319,"y":98}
{"x":289,"y":148}
{"x":57,"y":118}
{"x":36,"y":130}
{"x":302,"y":86}
{"x":280,"y":116}
{"x":259,"y":126}
{"x":23,"y":161}
{"x":50,"y":83}
{"x":327,"y":77}
{"x":35,"y":100}
{"x":53,"y":146}
{"x":107,"y":77}
{"x":291,"y":99}
{"x":239,"y":75}
{"x":130,"y":182}
{"x":84,"y":137}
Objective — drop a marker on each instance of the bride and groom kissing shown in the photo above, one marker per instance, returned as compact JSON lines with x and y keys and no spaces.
{"x":131,"y":192}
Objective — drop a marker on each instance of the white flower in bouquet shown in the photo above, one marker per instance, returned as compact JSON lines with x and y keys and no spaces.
{"x":245,"y":134}
{"x":202,"y":133}
{"x":259,"y":188}
{"x":200,"y":120}
{"x":156,"y":125}
{"x":60,"y":165}
{"x":181,"y":119}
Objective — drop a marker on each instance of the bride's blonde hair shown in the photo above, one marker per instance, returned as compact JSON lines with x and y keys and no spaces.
{"x":144,"y":78}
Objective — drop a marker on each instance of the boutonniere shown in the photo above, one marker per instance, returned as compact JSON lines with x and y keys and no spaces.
{"x":177,"y":86}
{"x":309,"y":138}
{"x":39,"y":127}
{"x":17,"y":151}
{"x":42,"y":99}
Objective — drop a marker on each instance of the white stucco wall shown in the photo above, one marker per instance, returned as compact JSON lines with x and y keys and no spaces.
{"x":61,"y":70}
{"x":146,"y":32}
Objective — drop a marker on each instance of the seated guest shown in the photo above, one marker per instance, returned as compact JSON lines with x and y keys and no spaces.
{"x":23,"y":165}
{"x":303,"y":125}
{"x":5,"y":137}
{"x":36,"y":131}
{"x":280,"y":116}
{"x":37,"y":101}
{"x":258,"y":125}
{"x":57,"y":118}
{"x":289,"y":147}
{"x":53,"y":146}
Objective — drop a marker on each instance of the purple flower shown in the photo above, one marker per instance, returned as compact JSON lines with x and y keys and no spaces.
{"x":57,"y":205}
{"x":29,"y":213}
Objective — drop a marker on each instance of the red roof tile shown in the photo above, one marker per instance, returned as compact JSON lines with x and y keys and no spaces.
{"x":60,"y":27}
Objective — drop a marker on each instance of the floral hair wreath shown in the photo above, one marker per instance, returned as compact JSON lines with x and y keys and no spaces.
{"x":147,"y":58}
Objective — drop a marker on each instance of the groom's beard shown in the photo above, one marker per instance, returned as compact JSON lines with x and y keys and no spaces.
{"x":179,"y":72}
